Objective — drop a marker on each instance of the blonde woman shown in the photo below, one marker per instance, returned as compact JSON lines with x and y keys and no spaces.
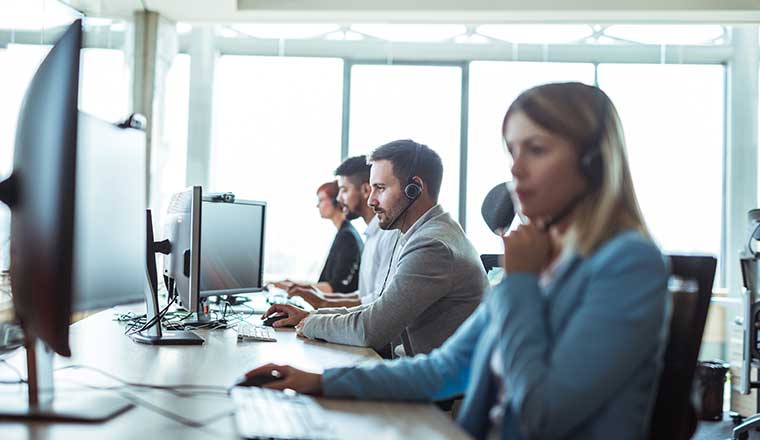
{"x":569,"y":345}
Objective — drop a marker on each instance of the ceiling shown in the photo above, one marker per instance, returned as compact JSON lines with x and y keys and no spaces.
{"x":427,"y":11}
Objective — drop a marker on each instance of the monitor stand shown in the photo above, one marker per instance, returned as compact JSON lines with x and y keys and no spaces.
{"x":155,"y":335}
{"x":41,"y":403}
{"x":202,"y":317}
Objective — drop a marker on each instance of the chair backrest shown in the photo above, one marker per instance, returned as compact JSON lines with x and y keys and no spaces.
{"x":489,"y":261}
{"x":674,"y":417}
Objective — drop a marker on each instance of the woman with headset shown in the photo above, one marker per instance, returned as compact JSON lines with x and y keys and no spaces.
{"x":569,"y":345}
{"x":340,"y":273}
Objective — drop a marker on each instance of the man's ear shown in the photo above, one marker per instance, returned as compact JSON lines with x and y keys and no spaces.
{"x":365,"y":189}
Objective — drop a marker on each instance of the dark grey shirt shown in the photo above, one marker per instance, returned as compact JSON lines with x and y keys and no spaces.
{"x":437,"y":284}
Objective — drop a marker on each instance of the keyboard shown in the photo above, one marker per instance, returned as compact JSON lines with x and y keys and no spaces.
{"x":249,"y":332}
{"x":264,"y":413}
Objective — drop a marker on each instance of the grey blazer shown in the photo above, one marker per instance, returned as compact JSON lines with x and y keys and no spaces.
{"x":438,"y":283}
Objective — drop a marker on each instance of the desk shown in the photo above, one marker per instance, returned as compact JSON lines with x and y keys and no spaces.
{"x":98,"y":341}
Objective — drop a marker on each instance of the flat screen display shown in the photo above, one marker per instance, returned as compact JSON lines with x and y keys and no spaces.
{"x":232,"y":246}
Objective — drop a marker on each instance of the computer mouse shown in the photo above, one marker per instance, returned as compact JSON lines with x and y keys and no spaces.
{"x":255,"y":381}
{"x":274,"y":318}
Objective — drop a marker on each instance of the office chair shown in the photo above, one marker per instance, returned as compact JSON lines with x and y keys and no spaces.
{"x":751,"y":340}
{"x":674,"y":417}
{"x":490,"y":261}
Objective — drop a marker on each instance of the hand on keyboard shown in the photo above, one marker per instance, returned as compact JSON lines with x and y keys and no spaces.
{"x":265,"y":413}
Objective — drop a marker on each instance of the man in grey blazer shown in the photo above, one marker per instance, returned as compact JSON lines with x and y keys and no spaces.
{"x":438,"y":280}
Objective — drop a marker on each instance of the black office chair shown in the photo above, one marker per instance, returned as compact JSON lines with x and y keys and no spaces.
{"x":674,"y":417}
{"x":490,"y":261}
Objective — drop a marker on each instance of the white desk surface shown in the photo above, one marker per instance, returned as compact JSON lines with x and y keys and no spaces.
{"x":99,"y":342}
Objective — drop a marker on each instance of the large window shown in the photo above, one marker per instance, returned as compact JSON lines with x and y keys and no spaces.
{"x":104,"y":78}
{"x":493,"y":86}
{"x":276,"y":137}
{"x":24,"y":59}
{"x":422,"y":103}
{"x":169,"y":161}
{"x":673,"y":119}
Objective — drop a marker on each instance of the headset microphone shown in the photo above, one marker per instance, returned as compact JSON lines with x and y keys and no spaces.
{"x":590,"y":163}
{"x":412,"y":189}
{"x":565,"y":211}
{"x":401,"y":214}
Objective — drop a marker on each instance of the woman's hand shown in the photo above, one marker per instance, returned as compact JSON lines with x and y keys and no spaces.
{"x":526,"y":249}
{"x":290,"y":378}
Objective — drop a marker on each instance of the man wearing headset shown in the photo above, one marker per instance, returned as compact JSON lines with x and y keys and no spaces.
{"x":438,"y":280}
{"x":353,"y":192}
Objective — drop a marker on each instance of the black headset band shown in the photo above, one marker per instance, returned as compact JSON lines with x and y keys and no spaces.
{"x":416,"y":159}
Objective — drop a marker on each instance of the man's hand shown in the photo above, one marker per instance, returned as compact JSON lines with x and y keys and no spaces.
{"x":290,"y":378}
{"x":294,"y":315}
{"x":310,"y":294}
{"x":284,"y":284}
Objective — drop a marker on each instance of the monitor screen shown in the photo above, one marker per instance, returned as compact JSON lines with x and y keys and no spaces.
{"x":232,"y":247}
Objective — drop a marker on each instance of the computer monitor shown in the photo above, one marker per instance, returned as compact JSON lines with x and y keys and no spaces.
{"x":232,"y":244}
{"x":77,"y":194}
{"x":182,"y":227}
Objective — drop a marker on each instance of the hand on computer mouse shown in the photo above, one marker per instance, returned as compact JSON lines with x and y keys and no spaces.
{"x":269,"y":322}
{"x":294,"y":315}
{"x":290,"y":378}
{"x":254,"y":379}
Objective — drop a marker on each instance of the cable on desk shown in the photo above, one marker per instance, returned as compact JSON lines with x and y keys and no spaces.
{"x":15,"y":370}
{"x":175,"y":389}
{"x":151,"y":322}
{"x":168,"y":414}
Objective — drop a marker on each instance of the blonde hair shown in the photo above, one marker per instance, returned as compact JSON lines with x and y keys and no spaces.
{"x":587,"y":118}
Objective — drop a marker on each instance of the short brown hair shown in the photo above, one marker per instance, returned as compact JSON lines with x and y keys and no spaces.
{"x":401,"y":155}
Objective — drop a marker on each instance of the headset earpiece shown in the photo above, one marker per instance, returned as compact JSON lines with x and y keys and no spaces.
{"x":412,"y":190}
{"x":591,"y":166}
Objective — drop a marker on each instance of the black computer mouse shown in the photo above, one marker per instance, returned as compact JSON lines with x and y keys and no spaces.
{"x":274,"y":318}
{"x":255,"y":381}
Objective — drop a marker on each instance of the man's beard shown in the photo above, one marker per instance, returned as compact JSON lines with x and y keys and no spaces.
{"x":390,"y":219}
{"x":350,"y":214}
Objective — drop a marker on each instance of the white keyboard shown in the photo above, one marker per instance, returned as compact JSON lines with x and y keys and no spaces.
{"x":249,"y":332}
{"x":264,"y":413}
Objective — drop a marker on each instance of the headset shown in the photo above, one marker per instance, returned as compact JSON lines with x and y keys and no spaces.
{"x":590,"y":163}
{"x":412,"y":191}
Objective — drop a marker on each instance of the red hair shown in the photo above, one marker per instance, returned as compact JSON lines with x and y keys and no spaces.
{"x":331,"y":189}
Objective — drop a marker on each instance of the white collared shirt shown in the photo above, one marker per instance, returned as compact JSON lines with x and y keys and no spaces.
{"x":376,"y":258}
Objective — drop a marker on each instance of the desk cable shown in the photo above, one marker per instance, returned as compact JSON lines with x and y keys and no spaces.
{"x":180,"y":390}
{"x":176,"y":390}
{"x":15,"y":370}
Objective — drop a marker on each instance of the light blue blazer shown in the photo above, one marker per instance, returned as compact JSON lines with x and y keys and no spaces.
{"x":580,"y":358}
